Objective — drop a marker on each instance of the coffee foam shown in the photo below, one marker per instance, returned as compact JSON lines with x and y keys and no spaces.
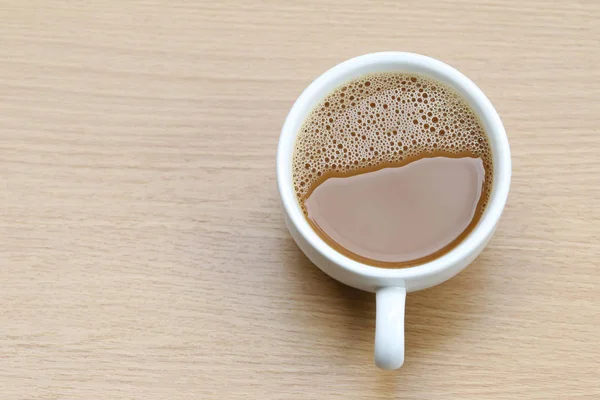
{"x":386,"y":119}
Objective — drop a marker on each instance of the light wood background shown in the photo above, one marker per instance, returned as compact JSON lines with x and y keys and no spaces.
{"x":142,"y":249}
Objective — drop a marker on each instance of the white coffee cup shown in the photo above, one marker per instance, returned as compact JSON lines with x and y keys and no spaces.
{"x":391,"y":285}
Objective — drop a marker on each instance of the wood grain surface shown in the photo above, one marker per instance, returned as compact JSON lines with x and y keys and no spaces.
{"x":143,"y":253}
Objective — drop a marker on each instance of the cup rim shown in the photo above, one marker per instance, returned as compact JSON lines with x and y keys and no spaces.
{"x":437,"y":70}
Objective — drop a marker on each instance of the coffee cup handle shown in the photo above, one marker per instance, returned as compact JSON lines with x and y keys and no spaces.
{"x":389,"y":327}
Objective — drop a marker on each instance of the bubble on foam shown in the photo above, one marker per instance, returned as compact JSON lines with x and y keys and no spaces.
{"x":421,"y":115}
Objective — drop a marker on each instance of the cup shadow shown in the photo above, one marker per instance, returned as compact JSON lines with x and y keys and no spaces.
{"x":433,"y":316}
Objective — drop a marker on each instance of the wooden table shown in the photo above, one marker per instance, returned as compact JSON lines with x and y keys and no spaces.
{"x":142,"y":249}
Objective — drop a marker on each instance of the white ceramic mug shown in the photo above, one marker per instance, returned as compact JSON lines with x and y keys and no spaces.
{"x":391,"y":285}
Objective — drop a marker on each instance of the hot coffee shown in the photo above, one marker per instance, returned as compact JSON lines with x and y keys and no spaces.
{"x":392,"y":169}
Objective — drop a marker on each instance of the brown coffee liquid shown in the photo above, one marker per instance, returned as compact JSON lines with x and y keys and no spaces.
{"x":393,"y":169}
